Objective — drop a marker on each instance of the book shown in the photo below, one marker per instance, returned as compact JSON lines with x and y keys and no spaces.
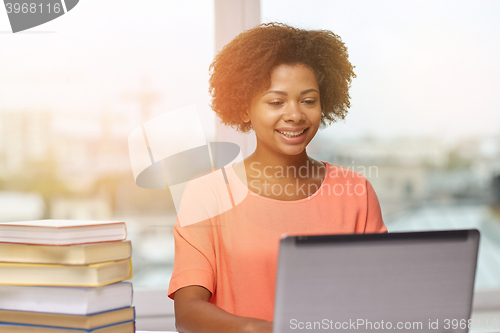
{"x":128,"y":327}
{"x":62,"y":232}
{"x":94,"y":275}
{"x":81,"y":254}
{"x":66,"y":300}
{"x":68,"y":321}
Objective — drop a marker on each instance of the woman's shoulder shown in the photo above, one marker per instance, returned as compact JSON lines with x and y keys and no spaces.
{"x":204,"y":197}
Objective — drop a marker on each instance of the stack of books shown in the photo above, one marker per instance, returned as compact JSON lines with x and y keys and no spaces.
{"x":65,"y":276}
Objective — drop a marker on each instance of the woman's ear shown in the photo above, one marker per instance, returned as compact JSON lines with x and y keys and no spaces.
{"x":244,"y":115}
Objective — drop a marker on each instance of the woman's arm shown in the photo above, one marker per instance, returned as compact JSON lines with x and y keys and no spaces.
{"x":194,"y":314}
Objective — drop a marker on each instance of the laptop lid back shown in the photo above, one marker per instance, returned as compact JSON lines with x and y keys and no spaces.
{"x":417,"y":281}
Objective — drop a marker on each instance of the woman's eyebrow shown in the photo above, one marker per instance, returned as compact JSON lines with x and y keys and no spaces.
{"x":308,"y":91}
{"x":284,"y":93}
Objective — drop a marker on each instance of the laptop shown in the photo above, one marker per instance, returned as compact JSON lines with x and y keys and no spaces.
{"x":393,"y":282}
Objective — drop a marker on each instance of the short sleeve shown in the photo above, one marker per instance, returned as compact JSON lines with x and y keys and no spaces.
{"x":194,"y":261}
{"x":374,"y":222}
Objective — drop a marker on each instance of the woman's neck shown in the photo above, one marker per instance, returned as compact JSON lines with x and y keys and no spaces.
{"x":265,"y":170}
{"x":273,"y":160}
{"x":283,"y":167}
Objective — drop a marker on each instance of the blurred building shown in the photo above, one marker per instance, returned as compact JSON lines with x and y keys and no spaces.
{"x":71,"y":160}
{"x":90,"y":147}
{"x":25,"y":136}
{"x":408,"y":173}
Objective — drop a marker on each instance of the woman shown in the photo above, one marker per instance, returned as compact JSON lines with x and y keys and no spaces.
{"x":284,"y":83}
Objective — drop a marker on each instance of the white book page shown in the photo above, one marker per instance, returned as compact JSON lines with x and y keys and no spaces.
{"x":58,"y":223}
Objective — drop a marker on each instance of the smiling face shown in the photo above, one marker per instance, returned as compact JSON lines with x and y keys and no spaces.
{"x":287,"y":115}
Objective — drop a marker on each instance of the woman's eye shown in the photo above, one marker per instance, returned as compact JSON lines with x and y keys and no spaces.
{"x":274,"y":103}
{"x":309,"y":101}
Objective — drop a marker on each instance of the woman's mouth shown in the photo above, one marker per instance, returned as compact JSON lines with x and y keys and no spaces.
{"x":293,"y":136}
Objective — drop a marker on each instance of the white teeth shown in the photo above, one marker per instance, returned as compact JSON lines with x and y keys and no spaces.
{"x":291,"y":134}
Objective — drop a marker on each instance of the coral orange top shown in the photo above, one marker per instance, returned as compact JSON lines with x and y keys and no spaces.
{"x":234,"y":255}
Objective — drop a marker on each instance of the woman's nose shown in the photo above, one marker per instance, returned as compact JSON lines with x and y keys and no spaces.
{"x":293,"y":112}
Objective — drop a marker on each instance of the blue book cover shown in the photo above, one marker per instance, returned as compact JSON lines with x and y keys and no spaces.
{"x":55,"y":329}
